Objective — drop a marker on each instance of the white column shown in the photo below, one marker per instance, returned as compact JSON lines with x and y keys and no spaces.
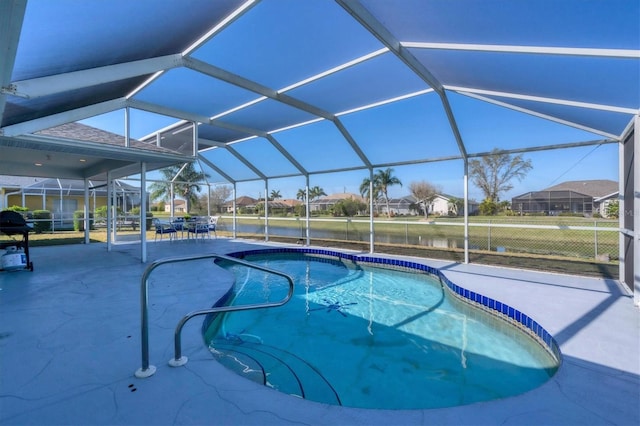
{"x":266,"y":210}
{"x":127,"y":127}
{"x":235,"y":215}
{"x":109,"y":211}
{"x":636,"y":212}
{"x":371,"y":231}
{"x":87,"y":220}
{"x":143,"y":212}
{"x":307,"y":211}
{"x":171,"y":201}
{"x":195,"y":139}
{"x":466,"y":210}
{"x":622,"y":265}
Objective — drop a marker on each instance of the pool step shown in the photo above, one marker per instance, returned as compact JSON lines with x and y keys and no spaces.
{"x":275,"y":368}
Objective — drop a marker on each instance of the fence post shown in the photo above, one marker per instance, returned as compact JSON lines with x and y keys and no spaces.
{"x":406,"y":233}
{"x":489,"y":237}
{"x":347,"y":231}
{"x":595,"y":238}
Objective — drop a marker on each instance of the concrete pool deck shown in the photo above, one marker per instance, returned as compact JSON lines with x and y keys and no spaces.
{"x":70,"y":344}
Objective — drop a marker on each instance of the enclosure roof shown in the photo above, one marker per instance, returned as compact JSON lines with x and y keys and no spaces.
{"x":271,"y":84}
{"x":594,"y":188}
{"x":30,"y":185}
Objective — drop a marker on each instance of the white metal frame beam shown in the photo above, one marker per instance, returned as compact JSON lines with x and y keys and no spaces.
{"x":375,"y":27}
{"x":258,"y":88}
{"x":246,"y":162}
{"x":244,"y":83}
{"x":540,"y":115}
{"x":540,"y":50}
{"x":53,"y":120}
{"x":236,"y":14}
{"x":11,"y":18}
{"x":216,"y":168}
{"x":565,"y":102}
{"x":287,"y":155}
{"x":169,"y":112}
{"x":233,"y":16}
{"x":58,"y":83}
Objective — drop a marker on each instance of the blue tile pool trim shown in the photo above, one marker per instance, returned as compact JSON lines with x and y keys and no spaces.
{"x":487,"y":304}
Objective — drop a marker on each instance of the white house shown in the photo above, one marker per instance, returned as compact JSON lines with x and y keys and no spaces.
{"x":441,"y":205}
{"x":179,"y":206}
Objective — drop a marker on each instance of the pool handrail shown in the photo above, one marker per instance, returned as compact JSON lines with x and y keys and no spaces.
{"x":147,"y":370}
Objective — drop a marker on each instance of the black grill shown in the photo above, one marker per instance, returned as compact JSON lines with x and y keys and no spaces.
{"x":12,"y":223}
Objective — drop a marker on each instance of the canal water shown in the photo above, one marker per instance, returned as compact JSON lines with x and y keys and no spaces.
{"x":349,"y":234}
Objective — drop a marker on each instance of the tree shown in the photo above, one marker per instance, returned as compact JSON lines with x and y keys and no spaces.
{"x":613,"y":209}
{"x":488,"y":207}
{"x":364,"y":191}
{"x":275,"y":194}
{"x":382,"y":180}
{"x":218,"y":195}
{"x":187,"y":184}
{"x":504,"y":206}
{"x":494,"y":172}
{"x":348,"y":207}
{"x":316,"y":192}
{"x":424,"y":192}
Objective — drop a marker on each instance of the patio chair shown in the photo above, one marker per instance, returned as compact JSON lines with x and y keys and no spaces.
{"x":163,"y":228}
{"x":213,"y":223}
{"x":199,"y":227}
{"x":180,"y":224}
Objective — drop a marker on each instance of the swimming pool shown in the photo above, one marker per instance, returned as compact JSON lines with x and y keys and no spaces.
{"x":376,"y":333}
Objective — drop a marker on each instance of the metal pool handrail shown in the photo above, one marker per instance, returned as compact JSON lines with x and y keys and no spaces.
{"x":148,"y":370}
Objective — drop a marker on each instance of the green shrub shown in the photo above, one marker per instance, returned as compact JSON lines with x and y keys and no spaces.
{"x":348,"y":207}
{"x":40,"y":223}
{"x":18,"y":209}
{"x":488,"y":207}
{"x":78,"y":221}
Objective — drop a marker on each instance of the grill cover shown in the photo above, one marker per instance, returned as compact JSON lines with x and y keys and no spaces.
{"x":12,"y":223}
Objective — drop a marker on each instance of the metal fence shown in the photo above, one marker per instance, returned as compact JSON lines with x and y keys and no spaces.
{"x":569,"y":239}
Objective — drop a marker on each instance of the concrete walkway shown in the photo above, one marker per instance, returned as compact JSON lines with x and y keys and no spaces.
{"x":70,"y":344}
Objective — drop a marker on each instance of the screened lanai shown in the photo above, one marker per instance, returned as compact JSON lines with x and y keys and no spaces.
{"x":271,"y":90}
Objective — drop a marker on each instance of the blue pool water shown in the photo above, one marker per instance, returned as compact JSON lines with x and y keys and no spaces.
{"x":370,"y":337}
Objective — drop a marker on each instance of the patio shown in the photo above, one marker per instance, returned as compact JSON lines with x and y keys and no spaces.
{"x":70,"y":344}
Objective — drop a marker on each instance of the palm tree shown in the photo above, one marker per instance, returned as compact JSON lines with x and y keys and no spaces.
{"x":275,"y":194}
{"x":301,"y":194}
{"x":187,"y":186}
{"x":365,"y":189}
{"x":382,"y":180}
{"x":316,"y":192}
